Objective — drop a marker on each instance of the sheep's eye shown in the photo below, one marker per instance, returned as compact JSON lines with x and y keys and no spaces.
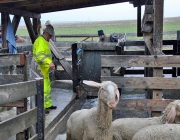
{"x":103,"y":89}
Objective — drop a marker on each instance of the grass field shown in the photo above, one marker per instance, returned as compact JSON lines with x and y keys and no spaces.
{"x":128,"y":26}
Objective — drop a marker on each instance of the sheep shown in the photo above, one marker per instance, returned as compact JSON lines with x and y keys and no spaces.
{"x":94,"y":123}
{"x":125,"y":128}
{"x":159,"y":132}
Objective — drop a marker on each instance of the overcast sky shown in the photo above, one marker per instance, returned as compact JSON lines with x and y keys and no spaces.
{"x":121,"y":11}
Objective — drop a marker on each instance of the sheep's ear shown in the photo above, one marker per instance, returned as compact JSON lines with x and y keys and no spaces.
{"x":92,"y":83}
{"x":178,"y":106}
{"x":171,"y":115}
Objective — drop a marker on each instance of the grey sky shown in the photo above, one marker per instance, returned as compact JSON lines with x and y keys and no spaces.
{"x":122,"y":11}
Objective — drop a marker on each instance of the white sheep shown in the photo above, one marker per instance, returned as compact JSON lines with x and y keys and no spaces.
{"x":95,"y":123}
{"x":159,"y":132}
{"x":125,"y":128}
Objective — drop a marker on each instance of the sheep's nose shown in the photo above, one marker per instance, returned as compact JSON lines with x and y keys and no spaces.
{"x":112,"y":105}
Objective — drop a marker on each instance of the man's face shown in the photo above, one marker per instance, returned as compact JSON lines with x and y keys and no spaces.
{"x":49,"y":36}
{"x":101,"y":37}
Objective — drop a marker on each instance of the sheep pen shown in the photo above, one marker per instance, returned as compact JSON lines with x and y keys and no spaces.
{"x":125,"y":128}
{"x":95,"y":123}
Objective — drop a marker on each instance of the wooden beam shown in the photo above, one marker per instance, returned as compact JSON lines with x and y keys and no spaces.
{"x":140,"y":61}
{"x":97,"y":46}
{"x":158,"y":26}
{"x":15,"y":104}
{"x":6,"y":78}
{"x":142,"y":104}
{"x":30,"y":29}
{"x":15,"y":22}
{"x":21,"y":122}
{"x":158,"y":6}
{"x":12,"y":59}
{"x":56,"y":5}
{"x":9,"y":1}
{"x":144,"y":82}
{"x":35,"y":26}
{"x":139,"y":33}
{"x":23,"y":13}
{"x":61,"y":59}
{"x":17,"y":91}
{"x":4,"y":24}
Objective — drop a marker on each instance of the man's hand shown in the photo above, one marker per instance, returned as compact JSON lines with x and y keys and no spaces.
{"x":52,"y":66}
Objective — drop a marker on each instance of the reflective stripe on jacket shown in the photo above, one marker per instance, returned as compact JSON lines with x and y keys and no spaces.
{"x":42,"y":55}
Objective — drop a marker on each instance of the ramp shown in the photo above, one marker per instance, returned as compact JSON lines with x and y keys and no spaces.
{"x":67,"y":67}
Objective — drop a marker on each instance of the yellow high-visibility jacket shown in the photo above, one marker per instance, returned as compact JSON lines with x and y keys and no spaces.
{"x":42,"y":55}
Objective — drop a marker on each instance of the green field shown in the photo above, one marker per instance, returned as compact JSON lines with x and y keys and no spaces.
{"x":108,"y":29}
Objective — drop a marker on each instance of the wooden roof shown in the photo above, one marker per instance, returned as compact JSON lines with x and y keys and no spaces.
{"x":45,"y":6}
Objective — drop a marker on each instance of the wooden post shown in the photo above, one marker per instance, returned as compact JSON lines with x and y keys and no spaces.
{"x":139,"y":33}
{"x":74,"y":66}
{"x":30,"y":29}
{"x":4,"y":23}
{"x":40,"y":108}
{"x":157,"y":42}
{"x":178,"y":49}
{"x":15,"y":22}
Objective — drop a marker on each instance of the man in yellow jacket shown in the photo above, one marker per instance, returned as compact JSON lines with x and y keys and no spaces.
{"x":42,"y":55}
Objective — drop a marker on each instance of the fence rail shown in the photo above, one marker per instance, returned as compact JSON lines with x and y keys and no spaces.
{"x":95,"y":35}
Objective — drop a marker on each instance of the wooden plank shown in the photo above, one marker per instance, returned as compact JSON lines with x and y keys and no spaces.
{"x":140,"y":61}
{"x":61,"y":75}
{"x":148,"y":9}
{"x":30,"y":29}
{"x":20,"y":12}
{"x":17,"y":91}
{"x":22,"y":121}
{"x":128,"y":71}
{"x":78,"y":35}
{"x":148,"y":18}
{"x":4,"y":23}
{"x":15,"y":22}
{"x":142,"y":104}
{"x":15,"y":104}
{"x":97,"y":46}
{"x":105,"y":72}
{"x":61,"y":59}
{"x":133,"y":53}
{"x":9,"y":1}
{"x":6,"y":79}
{"x":144,"y":82}
{"x":11,"y":59}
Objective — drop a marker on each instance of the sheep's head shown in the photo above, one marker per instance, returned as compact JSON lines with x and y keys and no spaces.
{"x":173,"y":110}
{"x":108,"y":92}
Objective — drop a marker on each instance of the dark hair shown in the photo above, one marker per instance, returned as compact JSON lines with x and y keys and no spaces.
{"x":100,"y":32}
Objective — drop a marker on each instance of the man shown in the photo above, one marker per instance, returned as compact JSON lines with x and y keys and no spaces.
{"x":20,"y":39}
{"x":103,"y":37}
{"x":49,"y":24}
{"x":42,"y":55}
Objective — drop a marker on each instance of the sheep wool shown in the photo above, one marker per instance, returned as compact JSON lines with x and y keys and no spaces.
{"x":95,"y":123}
{"x":125,"y":128}
{"x":159,"y":132}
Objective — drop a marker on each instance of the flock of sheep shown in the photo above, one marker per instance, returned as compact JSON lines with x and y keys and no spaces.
{"x":96,"y":123}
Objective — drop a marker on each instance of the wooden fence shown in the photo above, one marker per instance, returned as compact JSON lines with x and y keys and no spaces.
{"x":14,"y":91}
{"x":155,"y":83}
{"x":87,"y":36}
